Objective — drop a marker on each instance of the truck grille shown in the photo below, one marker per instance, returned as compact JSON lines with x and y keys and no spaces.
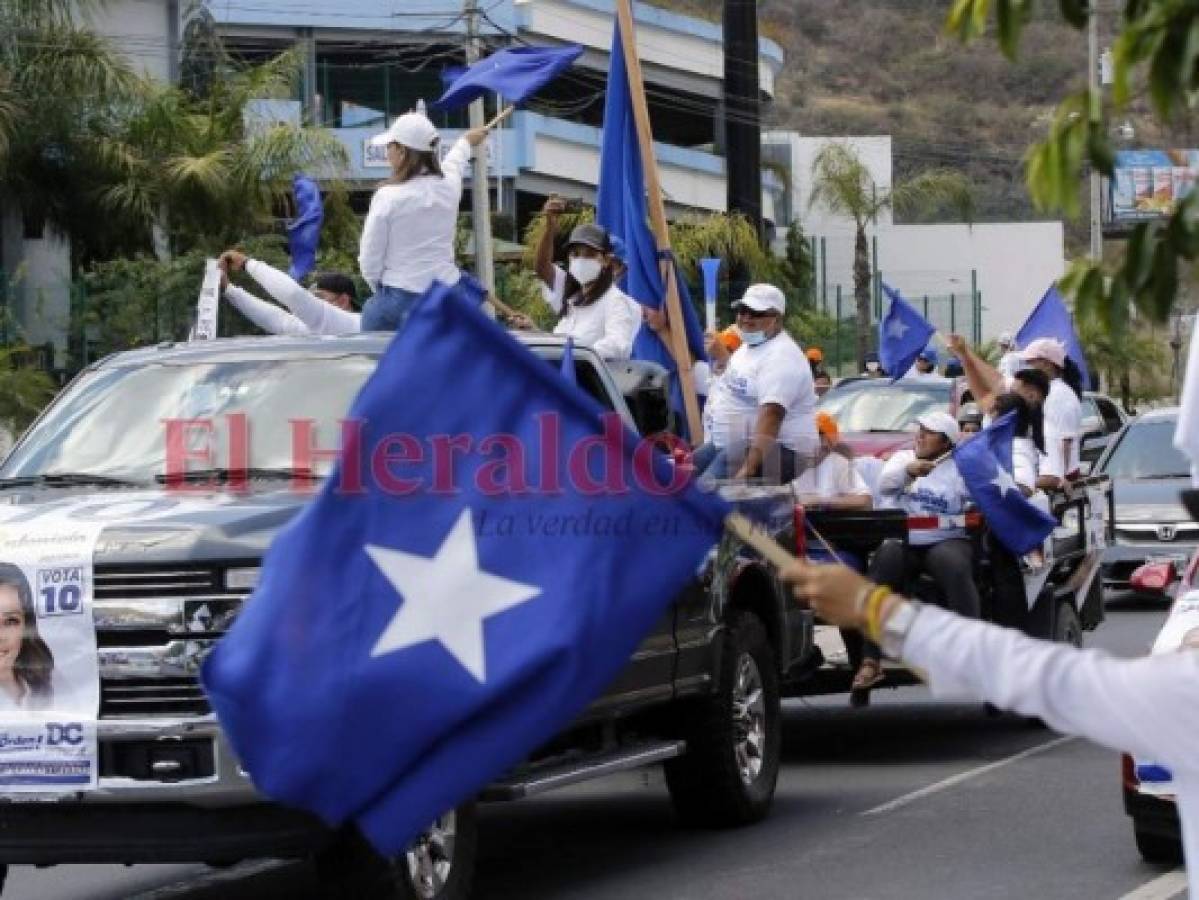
{"x":152,"y":697}
{"x":154,"y":626}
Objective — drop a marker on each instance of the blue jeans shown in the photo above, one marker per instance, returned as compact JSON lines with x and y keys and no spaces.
{"x":389,"y":309}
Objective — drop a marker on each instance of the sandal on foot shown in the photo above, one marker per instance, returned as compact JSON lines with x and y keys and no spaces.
{"x":868,"y":675}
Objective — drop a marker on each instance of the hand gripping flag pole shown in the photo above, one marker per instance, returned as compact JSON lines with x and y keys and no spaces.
{"x":657,"y":215}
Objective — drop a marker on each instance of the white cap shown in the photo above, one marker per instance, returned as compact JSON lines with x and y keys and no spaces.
{"x":1050,"y":349}
{"x":412,"y":130}
{"x":941,"y":422}
{"x":763,"y":298}
{"x":1006,"y":340}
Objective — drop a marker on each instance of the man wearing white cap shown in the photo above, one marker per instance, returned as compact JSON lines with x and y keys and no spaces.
{"x":1063,"y":412}
{"x":408,"y":238}
{"x":1012,"y":361}
{"x":760,"y":420}
{"x":924,"y":482}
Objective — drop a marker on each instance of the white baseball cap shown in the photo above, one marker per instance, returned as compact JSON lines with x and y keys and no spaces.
{"x":1050,"y":349}
{"x":943,"y":423}
{"x":763,"y":298}
{"x":409,"y":130}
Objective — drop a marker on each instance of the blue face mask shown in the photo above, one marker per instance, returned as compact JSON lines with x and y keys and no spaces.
{"x":753,"y":338}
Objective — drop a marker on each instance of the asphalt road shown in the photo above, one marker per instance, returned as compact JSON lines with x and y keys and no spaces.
{"x":908,"y":800}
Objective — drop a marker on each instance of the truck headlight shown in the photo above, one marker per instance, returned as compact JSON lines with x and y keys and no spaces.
{"x":242,"y":579}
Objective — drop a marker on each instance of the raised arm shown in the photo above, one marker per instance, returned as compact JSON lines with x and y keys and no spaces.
{"x":985,"y":382}
{"x":267,"y":316}
{"x":544,"y":262}
{"x":319,"y":316}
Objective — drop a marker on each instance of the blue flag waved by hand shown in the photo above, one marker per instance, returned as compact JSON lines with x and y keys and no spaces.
{"x":1051,"y":319}
{"x":985,"y":463}
{"x":515,"y":73}
{"x":422,"y":626}
{"x":304,"y":232}
{"x":902,"y":335}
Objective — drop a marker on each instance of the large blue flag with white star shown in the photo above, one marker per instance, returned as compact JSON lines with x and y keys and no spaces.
{"x":902,"y":335}
{"x":985,"y":464}
{"x":515,"y":73}
{"x":480,"y":565}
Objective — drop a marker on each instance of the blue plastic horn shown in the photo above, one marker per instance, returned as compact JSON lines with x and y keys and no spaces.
{"x":711,"y":269}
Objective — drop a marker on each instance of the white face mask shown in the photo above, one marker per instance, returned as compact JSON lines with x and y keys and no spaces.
{"x":584,"y":270}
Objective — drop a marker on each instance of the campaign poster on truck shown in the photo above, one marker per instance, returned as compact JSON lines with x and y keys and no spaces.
{"x":49,"y":673}
{"x":1149,"y":184}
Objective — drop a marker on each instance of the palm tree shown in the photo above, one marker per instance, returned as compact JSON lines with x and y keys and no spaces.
{"x":843,"y":184}
{"x":186,"y":170}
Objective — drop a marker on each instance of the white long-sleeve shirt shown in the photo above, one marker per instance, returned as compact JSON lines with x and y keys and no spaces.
{"x":408,"y":237}
{"x":309,"y":313}
{"x":1148,"y":707}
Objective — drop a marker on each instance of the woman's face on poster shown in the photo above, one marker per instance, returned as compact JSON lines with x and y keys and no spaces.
{"x":12,"y":626}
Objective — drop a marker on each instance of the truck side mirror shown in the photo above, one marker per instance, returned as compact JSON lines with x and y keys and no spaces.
{"x":646,"y":389}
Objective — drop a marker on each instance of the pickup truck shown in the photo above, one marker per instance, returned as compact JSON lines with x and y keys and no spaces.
{"x":179,"y":556}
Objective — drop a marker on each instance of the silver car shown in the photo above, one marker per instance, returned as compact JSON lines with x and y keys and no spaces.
{"x":1148,"y":473}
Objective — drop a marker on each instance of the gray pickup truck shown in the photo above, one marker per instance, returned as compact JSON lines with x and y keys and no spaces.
{"x":179,"y":556}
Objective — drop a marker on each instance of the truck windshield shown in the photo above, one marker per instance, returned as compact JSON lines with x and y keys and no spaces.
{"x":117,"y":422}
{"x":877,"y":405}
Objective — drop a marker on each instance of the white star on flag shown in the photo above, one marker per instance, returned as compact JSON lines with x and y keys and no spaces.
{"x":446,"y":598}
{"x":897,"y":329}
{"x":1004,"y":481}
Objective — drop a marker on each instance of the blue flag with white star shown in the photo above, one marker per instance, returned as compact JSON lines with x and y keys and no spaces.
{"x":487,"y":554}
{"x":1051,"y":319}
{"x":902,"y":335}
{"x":985,"y":464}
{"x":515,"y":73}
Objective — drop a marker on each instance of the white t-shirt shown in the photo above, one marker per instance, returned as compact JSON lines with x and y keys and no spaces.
{"x":408,"y":237}
{"x":835,"y":476}
{"x":1026,"y":460}
{"x":939,"y":493}
{"x":1063,"y":419}
{"x":775,"y":371}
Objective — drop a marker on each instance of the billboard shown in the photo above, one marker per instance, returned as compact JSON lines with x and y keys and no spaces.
{"x":1147,"y":184}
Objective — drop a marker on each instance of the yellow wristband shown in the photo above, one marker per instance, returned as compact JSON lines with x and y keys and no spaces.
{"x":873,"y":604}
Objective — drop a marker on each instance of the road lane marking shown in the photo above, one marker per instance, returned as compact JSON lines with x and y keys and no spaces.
{"x":961,"y":777}
{"x":1163,"y":888}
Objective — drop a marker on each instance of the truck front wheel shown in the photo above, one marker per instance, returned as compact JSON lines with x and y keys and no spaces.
{"x":438,"y":866}
{"x":728,"y":774}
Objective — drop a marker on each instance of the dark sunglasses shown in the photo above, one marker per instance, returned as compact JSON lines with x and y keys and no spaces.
{"x":753,"y":313}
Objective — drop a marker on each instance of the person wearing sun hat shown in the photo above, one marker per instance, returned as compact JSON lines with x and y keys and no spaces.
{"x":924,"y":482}
{"x":760,"y":418}
{"x":408,"y":238}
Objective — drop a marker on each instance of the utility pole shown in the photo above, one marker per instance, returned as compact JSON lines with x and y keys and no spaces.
{"x":742,"y":127}
{"x":1096,"y":101}
{"x":479,"y":190}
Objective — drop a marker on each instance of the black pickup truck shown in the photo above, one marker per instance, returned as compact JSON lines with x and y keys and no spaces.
{"x":171,"y":569}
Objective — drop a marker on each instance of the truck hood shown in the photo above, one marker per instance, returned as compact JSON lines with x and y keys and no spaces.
{"x":159,"y":526}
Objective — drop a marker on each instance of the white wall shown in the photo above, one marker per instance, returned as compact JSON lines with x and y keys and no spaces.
{"x":1016,"y":262}
{"x":138,"y":29}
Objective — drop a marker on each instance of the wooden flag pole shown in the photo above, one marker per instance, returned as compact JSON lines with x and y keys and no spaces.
{"x":657,"y":216}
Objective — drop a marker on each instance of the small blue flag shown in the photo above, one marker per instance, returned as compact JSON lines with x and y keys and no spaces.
{"x":515,"y":73}
{"x":475,"y":570}
{"x":902,"y":335}
{"x":985,"y":464}
{"x":568,"y":361}
{"x":1051,"y":319}
{"x":621,"y":208}
{"x":304,"y":232}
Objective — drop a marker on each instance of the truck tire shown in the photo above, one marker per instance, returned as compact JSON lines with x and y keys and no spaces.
{"x":1157,"y":848}
{"x":439,"y":865}
{"x":728,"y":774}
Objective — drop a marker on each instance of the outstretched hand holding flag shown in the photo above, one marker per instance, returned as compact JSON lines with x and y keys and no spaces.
{"x":417,"y":629}
{"x":985,"y":464}
{"x":902,"y":335}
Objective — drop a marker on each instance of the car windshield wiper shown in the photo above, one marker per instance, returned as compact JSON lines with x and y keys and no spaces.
{"x":225,"y":475}
{"x":68,"y":479}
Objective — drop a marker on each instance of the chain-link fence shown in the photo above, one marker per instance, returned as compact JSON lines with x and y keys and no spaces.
{"x":948,"y":298}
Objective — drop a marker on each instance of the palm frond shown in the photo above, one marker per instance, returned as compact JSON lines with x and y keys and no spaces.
{"x":843,"y":184}
{"x":208,"y":174}
{"x":933,"y":191}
